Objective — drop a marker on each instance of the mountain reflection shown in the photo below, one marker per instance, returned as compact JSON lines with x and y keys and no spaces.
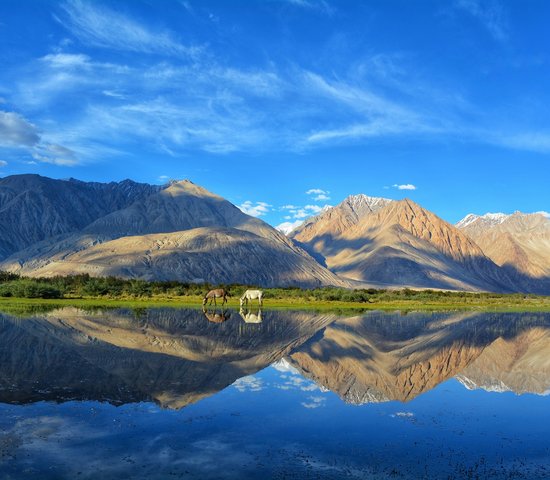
{"x":175,"y":357}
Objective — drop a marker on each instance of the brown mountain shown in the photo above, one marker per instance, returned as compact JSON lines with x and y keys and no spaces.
{"x":33,"y":208}
{"x":399,"y":243}
{"x":520,"y":243}
{"x":182,"y":232}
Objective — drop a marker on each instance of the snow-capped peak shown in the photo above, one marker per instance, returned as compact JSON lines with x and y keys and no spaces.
{"x":489,"y":219}
{"x":360,"y":201}
{"x":287,"y":227}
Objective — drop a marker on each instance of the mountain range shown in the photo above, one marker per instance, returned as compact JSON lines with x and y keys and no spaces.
{"x":181,"y":231}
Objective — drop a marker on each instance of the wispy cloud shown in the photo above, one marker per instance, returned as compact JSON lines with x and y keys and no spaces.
{"x":185,"y":99}
{"x":102,"y":27}
{"x":300,"y":213}
{"x":315,"y":191}
{"x":404,"y":186}
{"x":319,"y":5}
{"x":530,"y":141}
{"x":490,"y":13}
{"x":3,"y":163}
{"x":17,"y":132}
{"x":256,"y":209}
{"x":318,"y":194}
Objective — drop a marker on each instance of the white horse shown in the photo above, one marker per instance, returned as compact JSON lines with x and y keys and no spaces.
{"x":252,"y":295}
{"x":250,"y":317}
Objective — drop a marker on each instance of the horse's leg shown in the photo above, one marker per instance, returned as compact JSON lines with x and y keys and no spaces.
{"x":215,"y":304}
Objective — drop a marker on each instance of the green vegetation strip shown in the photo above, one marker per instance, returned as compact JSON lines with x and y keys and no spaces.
{"x":28,"y":294}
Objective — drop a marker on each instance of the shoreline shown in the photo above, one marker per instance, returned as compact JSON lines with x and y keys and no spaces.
{"x":501,"y":304}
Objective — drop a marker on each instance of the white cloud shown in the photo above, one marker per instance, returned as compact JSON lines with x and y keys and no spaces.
{"x":15,"y":131}
{"x":405,"y":186}
{"x":530,"y":141}
{"x":321,"y":197}
{"x":203,"y":103}
{"x":106,"y":28}
{"x":287,"y":227}
{"x":55,"y":154}
{"x":66,"y":60}
{"x":316,"y":191}
{"x":299,"y":214}
{"x":255,"y":209}
{"x":114,"y":94}
{"x":314,"y":208}
{"x":318,"y":194}
{"x":3,"y":163}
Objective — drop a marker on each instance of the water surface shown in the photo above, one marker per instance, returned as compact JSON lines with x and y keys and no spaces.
{"x":177,"y":393}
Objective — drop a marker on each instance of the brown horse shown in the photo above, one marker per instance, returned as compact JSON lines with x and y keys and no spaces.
{"x":217,"y":293}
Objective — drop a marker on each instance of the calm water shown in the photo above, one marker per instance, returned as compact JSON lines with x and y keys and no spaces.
{"x":168,"y":393}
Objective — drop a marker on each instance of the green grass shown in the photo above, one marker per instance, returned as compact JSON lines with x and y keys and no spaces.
{"x":470,"y":302}
{"x":28,"y":294}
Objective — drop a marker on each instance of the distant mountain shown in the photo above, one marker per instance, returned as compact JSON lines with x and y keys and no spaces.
{"x":33,"y":207}
{"x":519,"y":242}
{"x":182,"y":232}
{"x":398,"y":243}
{"x":336,"y":220}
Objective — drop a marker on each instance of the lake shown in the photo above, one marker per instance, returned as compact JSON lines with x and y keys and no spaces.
{"x":179,"y":393}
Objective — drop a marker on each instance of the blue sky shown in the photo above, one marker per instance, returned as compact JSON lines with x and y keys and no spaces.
{"x":262,"y":102}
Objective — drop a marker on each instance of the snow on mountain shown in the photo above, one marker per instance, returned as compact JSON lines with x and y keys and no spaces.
{"x":489,"y":219}
{"x":287,"y":227}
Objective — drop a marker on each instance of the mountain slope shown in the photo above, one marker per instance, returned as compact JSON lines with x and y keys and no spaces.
{"x":33,"y":208}
{"x":183,"y":232}
{"x":336,"y":220}
{"x":400,"y":243}
{"x":518,"y":242}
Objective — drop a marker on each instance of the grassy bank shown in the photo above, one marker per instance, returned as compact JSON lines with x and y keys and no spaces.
{"x":470,"y":302}
{"x":88,"y":292}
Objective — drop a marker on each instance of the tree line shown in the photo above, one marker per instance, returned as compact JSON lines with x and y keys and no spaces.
{"x":85,"y":286}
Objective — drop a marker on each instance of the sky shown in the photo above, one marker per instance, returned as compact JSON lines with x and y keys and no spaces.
{"x":284,"y":106}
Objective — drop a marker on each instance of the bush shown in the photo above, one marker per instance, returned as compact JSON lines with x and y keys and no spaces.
{"x":29,"y":289}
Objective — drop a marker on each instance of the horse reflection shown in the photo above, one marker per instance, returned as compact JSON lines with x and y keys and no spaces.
{"x":216,"y":316}
{"x":251,"y":317}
